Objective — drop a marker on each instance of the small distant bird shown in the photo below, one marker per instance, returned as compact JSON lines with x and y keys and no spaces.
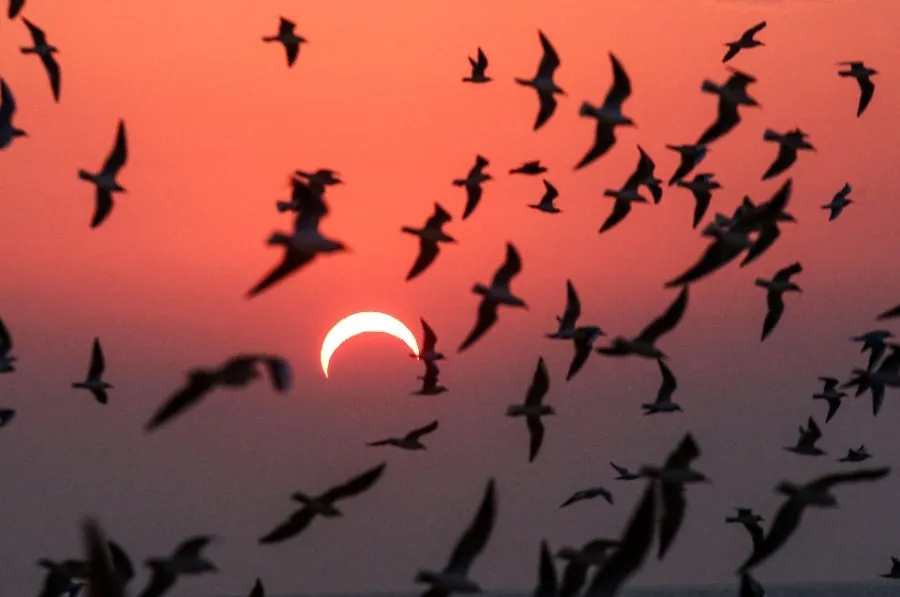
{"x":543,"y":82}
{"x":629,"y":193}
{"x":530,"y":168}
{"x":775,"y":288}
{"x":94,"y":382}
{"x":645,"y":343}
{"x":691,"y":156}
{"x":322,"y":505}
{"x":887,"y":374}
{"x":594,"y":554}
{"x":472,"y":182}
{"x":750,"y":587}
{"x":186,"y":561}
{"x":609,"y":115}
{"x":45,"y":51}
{"x":290,"y":40}
{"x":663,"y":403}
{"x":14,"y":7}
{"x":454,"y":578}
{"x":566,"y":323}
{"x":429,"y":238}
{"x":478,"y":68}
{"x":788,"y":145}
{"x":105,"y":180}
{"x":6,"y":415}
{"x":647,"y":166}
{"x":497,"y":294}
{"x":588,"y":494}
{"x":873,"y":341}
{"x":533,"y":408}
{"x":895,"y":569}
{"x":701,"y":187}
{"x":839,"y":202}
{"x":624,"y":474}
{"x":858,"y":455}
{"x":323,"y":176}
{"x":890,"y":314}
{"x":745,"y":42}
{"x":806,"y":443}
{"x":862,"y":74}
{"x":236,"y":372}
{"x":831,"y":394}
{"x":583,"y":340}
{"x":430,"y":385}
{"x":410,"y":441}
{"x":6,"y":346}
{"x":547,"y":584}
{"x":731,"y":95}
{"x":429,"y":340}
{"x":258,"y":589}
{"x":546,"y":204}
{"x":8,"y":132}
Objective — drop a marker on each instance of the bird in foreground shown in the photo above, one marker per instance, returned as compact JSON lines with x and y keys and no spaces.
{"x":410,"y":441}
{"x":663,"y":402}
{"x":895,"y":569}
{"x":609,"y":115}
{"x":290,"y":40}
{"x":105,"y":180}
{"x":103,"y":577}
{"x":788,"y":145}
{"x":472,"y":182}
{"x":14,"y":7}
{"x":629,"y":193}
{"x":543,"y":82}
{"x":546,"y":203}
{"x":533,"y":409}
{"x":775,"y":288}
{"x":862,"y":74}
{"x":61,"y":577}
{"x":594,"y":554}
{"x":817,"y":494}
{"x":768,"y":230}
{"x":8,"y":131}
{"x":858,"y":455}
{"x":583,"y":340}
{"x":258,"y":589}
{"x":750,"y":521}
{"x":745,"y":42}
{"x":691,"y":156}
{"x":430,"y":385}
{"x":624,"y":474}
{"x":6,"y":416}
{"x":236,"y":372}
{"x":566,"y":323}
{"x":831,"y":394}
{"x":454,"y":578}
{"x":890,"y":314}
{"x":887,"y":374}
{"x":497,"y":294}
{"x":532,"y":168}
{"x":325,"y":177}
{"x":806,"y":443}
{"x":45,"y":51}
{"x":701,"y":187}
{"x":430,"y":236}
{"x":185,"y":561}
{"x":750,"y":587}
{"x":6,"y":346}
{"x":873,"y":341}
{"x":94,"y":380}
{"x":429,"y":340}
{"x":839,"y":202}
{"x":731,"y":95}
{"x":321,"y":505}
{"x":547,"y":584}
{"x":645,"y":343}
{"x":589,"y":494}
{"x":478,"y":68}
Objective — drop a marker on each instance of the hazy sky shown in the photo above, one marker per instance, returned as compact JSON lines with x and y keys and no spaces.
{"x":217,"y":122}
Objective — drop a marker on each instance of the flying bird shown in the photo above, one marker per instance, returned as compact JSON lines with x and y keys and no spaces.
{"x":478,"y":68}
{"x":237,"y":372}
{"x":186,"y":561}
{"x":497,"y":294}
{"x":775,"y":288}
{"x":701,"y":187}
{"x":745,"y":42}
{"x":663,"y":403}
{"x":324,"y":177}
{"x":543,"y":82}
{"x":647,"y":166}
{"x":645,"y":343}
{"x":299,"y":193}
{"x":788,"y":145}
{"x":727,"y":245}
{"x":45,"y":51}
{"x":566,"y":323}
{"x":887,"y":374}
{"x":629,"y":193}
{"x":593,"y":554}
{"x":873,"y":341}
{"x":624,"y":474}
{"x":103,"y":575}
{"x":546,"y":203}
{"x":806,"y":443}
{"x":589,"y":494}
{"x":731,"y":95}
{"x":609,"y":115}
{"x":839,"y":202}
{"x":858,"y":455}
{"x":6,"y":346}
{"x":290,"y":40}
{"x":583,"y":340}
{"x":429,"y":238}
{"x":429,"y":340}
{"x":410,"y":441}
{"x":750,"y":521}
{"x":533,"y":409}
{"x":472,"y":182}
{"x":6,"y":415}
{"x":8,"y":131}
{"x":831,"y":394}
{"x":94,"y":381}
{"x":105,"y":180}
{"x":890,"y":313}
{"x":862,"y":74}
{"x":430,"y":385}
{"x":750,"y":587}
{"x":895,"y":569}
{"x":322,"y":505}
{"x":547,"y":584}
{"x":690,"y":156}
{"x":532,"y":168}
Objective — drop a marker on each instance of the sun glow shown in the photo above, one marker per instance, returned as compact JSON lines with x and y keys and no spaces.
{"x":360,"y":323}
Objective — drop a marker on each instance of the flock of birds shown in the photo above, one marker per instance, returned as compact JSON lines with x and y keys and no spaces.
{"x":106,"y":569}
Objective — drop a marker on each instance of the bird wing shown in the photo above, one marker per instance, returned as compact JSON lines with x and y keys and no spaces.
{"x":14,"y":7}
{"x":673,"y":506}
{"x":7,"y":102}
{"x":727,"y":119}
{"x":619,"y":211}
{"x":582,"y":352}
{"x":482,"y":61}
{"x":103,"y":579}
{"x":621,"y":87}
{"x":98,"y":363}
{"x":642,"y":172}
{"x":686,"y":452}
{"x":510,"y":267}
{"x":292,"y":527}
{"x":775,"y":309}
{"x":547,"y":103}
{"x":604,"y":138}
{"x":159,"y":584}
{"x":828,"y":481}
{"x":429,"y":339}
{"x":476,"y":535}
{"x":550,"y":192}
{"x":536,"y":436}
{"x":756,"y":533}
{"x":279,"y":372}
{"x":438,"y":218}
{"x":104,"y":205}
{"x":733,"y":50}
{"x":547,"y":585}
{"x":755,"y":29}
{"x":198,"y":385}
{"x":190,"y":549}
{"x":784,"y":274}
{"x":354,"y":486}
{"x":540,"y":383}
{"x":768,"y":234}
{"x":291,"y":50}
{"x":574,"y":575}
{"x":573,"y":307}
{"x":290,"y":263}
{"x":5,"y":339}
{"x":890,"y":313}
{"x":473,"y":196}
{"x":701,"y":204}
{"x":487,"y":316}
{"x":285,"y":27}
{"x":717,"y":255}
{"x":52,"y":68}
{"x":669,"y":383}
{"x":428,"y":252}
{"x":786,"y":521}
{"x":549,"y":60}
{"x":867,"y":90}
{"x":833,"y":406}
{"x":431,"y":374}
{"x":786,"y":156}
{"x":750,"y":587}
{"x":100,"y":395}
{"x":619,"y":469}
{"x":37,"y":34}
{"x":121,"y":562}
{"x":667,"y":321}
{"x":417,"y":433}
{"x":830,"y":383}
{"x":119,"y":154}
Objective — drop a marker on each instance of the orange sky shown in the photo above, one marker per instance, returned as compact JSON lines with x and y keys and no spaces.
{"x":216,"y":122}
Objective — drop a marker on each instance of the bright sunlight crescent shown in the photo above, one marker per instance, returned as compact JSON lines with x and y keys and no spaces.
{"x":360,"y":323}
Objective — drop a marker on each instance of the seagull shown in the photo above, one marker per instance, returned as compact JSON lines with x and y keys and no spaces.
{"x":887,"y":374}
{"x":290,"y":40}
{"x":890,"y":313}
{"x":533,"y":408}
{"x":728,"y":244}
{"x":325,"y":177}
{"x":6,"y":346}
{"x":429,"y":340}
{"x":8,"y":131}
{"x":472,"y":182}
{"x":731,"y":95}
{"x":6,"y":415}
{"x":862,"y":74}
{"x":624,"y":473}
{"x":663,"y":403}
{"x":103,"y":577}
{"x":186,"y":561}
{"x":839,"y":202}
{"x":94,"y":382}
{"x":429,"y":238}
{"x":857,"y":455}
{"x":454,"y":578}
{"x":321,"y":505}
{"x":768,"y":232}
{"x":645,"y":343}
{"x":543,"y":82}
{"x":872,"y":341}
{"x":430,"y":386}
{"x":691,"y":156}
{"x":750,"y":587}
{"x":105,"y":180}
{"x":609,"y":115}
{"x":588,"y":494}
{"x":628,"y":194}
{"x":583,"y":339}
{"x":788,"y":146}
{"x":531,"y":168}
{"x":546,"y":204}
{"x":594,"y":553}
{"x":547,"y":585}
{"x":236,"y":372}
{"x":647,"y":166}
{"x":745,"y":42}
{"x":895,"y":569}
{"x":45,"y":51}
{"x":775,"y":288}
{"x":304,"y":244}
{"x":410,"y":441}
{"x":497,"y":294}
{"x":566,"y":323}
{"x":701,"y":187}
{"x":478,"y":68}
{"x":831,"y":394}
{"x":14,"y":7}
{"x":806,"y":443}
{"x":750,"y":521}
{"x":814,"y":494}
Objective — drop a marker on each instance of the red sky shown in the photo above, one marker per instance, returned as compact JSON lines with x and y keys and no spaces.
{"x":216,"y":123}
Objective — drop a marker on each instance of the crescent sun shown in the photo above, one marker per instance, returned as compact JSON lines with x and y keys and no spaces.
{"x":360,"y":323}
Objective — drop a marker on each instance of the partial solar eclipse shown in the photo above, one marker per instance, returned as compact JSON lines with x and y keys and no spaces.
{"x":360,"y":323}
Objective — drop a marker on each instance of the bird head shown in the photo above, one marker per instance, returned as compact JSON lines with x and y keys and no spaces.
{"x":19,"y":133}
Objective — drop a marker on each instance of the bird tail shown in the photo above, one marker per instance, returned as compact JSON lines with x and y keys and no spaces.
{"x":709,"y":87}
{"x":609,"y":193}
{"x":270,"y":38}
{"x":586,"y":109}
{"x":522,"y":81}
{"x":28,"y":50}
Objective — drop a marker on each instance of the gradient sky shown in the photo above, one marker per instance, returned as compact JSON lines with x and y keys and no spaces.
{"x":217,"y":122}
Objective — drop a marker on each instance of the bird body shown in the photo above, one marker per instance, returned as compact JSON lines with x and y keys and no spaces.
{"x":288,"y":38}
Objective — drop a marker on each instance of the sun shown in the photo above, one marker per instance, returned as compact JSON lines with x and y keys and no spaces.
{"x":361,"y":323}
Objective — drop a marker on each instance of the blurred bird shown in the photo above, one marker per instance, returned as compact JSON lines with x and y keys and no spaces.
{"x":105,"y":180}
{"x":691,"y":156}
{"x":6,"y":346}
{"x":546,"y":204}
{"x":830,"y":394}
{"x":8,"y":131}
{"x":858,"y":455}
{"x":543,"y":82}
{"x":806,"y":443}
{"x":731,"y":95}
{"x":862,"y":74}
{"x":701,"y":187}
{"x":430,"y":385}
{"x":645,"y":343}
{"x":186,"y":561}
{"x":745,"y":42}
{"x":94,"y":381}
{"x":788,"y":145}
{"x":663,"y":402}
{"x":430,"y":236}
{"x":609,"y":115}
{"x":532,"y":168}
{"x":497,"y":294}
{"x":478,"y":68}
{"x":290,"y":40}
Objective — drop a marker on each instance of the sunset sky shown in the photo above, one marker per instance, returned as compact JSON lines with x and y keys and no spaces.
{"x":216,"y":124}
